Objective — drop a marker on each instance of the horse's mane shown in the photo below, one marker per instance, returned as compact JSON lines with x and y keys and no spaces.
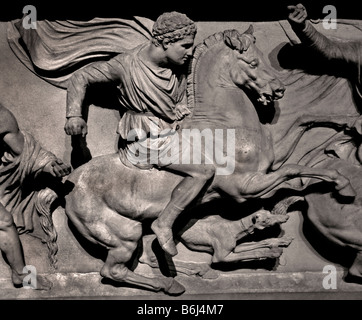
{"x":199,"y":51}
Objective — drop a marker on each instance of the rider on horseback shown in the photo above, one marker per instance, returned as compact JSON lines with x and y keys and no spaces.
{"x":152,"y":83}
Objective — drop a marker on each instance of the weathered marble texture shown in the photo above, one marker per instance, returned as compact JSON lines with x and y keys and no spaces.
{"x":23,"y":92}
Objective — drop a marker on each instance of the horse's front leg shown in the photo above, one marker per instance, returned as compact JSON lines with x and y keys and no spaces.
{"x":341,"y":183}
{"x":284,"y":147}
{"x":261,"y":185}
{"x":248,"y":185}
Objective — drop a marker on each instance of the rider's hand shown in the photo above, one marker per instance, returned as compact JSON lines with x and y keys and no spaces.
{"x":76,"y":126}
{"x":181,"y":111}
{"x":298,"y":15}
{"x":57,"y":168}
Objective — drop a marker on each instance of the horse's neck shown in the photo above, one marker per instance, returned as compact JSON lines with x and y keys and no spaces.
{"x":229,"y":107}
{"x":214,"y":98}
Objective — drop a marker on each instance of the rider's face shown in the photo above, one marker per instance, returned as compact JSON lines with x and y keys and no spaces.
{"x":180,"y":51}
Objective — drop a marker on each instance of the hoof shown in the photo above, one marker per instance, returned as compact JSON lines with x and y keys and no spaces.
{"x":175,"y":288}
{"x":347,"y":191}
{"x":210,"y":275}
{"x":284,"y":241}
{"x":281,"y":218}
{"x":353,"y":278}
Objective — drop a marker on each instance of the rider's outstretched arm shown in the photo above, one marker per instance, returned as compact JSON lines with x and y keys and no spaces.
{"x":349,"y":51}
{"x":98,"y":72}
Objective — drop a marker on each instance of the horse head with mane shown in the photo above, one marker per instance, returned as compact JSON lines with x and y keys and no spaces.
{"x":109,"y":200}
{"x":242,"y":67}
{"x":247,"y":66}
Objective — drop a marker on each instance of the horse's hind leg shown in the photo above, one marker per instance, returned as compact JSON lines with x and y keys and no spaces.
{"x":341,"y":183}
{"x":355,"y":271}
{"x":115,"y":269}
{"x":258,"y":184}
{"x":284,"y":147}
{"x":122,"y":239}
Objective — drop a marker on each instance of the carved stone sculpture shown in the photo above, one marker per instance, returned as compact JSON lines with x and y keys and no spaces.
{"x":22,"y":194}
{"x":306,"y":144}
{"x":107,"y":200}
{"x":223,"y":239}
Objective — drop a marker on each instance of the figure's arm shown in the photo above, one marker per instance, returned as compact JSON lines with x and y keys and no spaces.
{"x":10,"y":133}
{"x":13,"y":140}
{"x":99,"y":72}
{"x":330,"y":49}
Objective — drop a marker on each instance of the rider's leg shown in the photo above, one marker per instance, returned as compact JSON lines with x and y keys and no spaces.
{"x":185,"y":192}
{"x":10,"y":245}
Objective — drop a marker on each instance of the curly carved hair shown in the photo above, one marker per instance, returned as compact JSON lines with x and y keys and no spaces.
{"x":173,"y":26}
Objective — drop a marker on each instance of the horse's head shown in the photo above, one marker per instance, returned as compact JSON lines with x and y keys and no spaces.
{"x":250,"y":69}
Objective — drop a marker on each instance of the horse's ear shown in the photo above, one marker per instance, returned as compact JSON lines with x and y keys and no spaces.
{"x":250,"y":30}
{"x":231,"y":39}
{"x":245,"y":42}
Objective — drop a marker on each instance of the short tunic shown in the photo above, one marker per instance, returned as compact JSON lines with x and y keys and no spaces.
{"x":149,"y":93}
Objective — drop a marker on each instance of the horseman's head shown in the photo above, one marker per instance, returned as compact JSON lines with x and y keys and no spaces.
{"x":250,"y":69}
{"x":175,"y":33}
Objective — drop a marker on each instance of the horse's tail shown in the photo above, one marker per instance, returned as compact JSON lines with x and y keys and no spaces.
{"x":44,"y":204}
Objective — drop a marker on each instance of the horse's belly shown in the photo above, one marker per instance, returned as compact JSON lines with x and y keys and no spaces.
{"x":106,"y":182}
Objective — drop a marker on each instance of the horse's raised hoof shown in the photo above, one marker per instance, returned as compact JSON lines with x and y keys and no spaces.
{"x":175,"y":288}
{"x":210,"y":274}
{"x":352,"y":278}
{"x":346,"y":191}
{"x":354,"y":274}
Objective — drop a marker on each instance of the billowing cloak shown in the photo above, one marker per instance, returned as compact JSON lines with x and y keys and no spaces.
{"x":55,"y":49}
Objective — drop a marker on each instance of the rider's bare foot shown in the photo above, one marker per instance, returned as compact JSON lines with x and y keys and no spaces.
{"x":165,"y":238}
{"x":41,"y":282}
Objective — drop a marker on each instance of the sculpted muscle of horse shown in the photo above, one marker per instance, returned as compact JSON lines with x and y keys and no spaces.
{"x":110,"y":199}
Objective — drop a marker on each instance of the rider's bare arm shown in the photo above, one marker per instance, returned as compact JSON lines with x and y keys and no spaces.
{"x":349,"y":52}
{"x":10,"y":133}
{"x":99,"y":72}
{"x":331,"y":49}
{"x":13,"y":141}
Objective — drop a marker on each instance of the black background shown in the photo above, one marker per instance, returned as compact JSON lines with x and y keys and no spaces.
{"x":219,"y":10}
